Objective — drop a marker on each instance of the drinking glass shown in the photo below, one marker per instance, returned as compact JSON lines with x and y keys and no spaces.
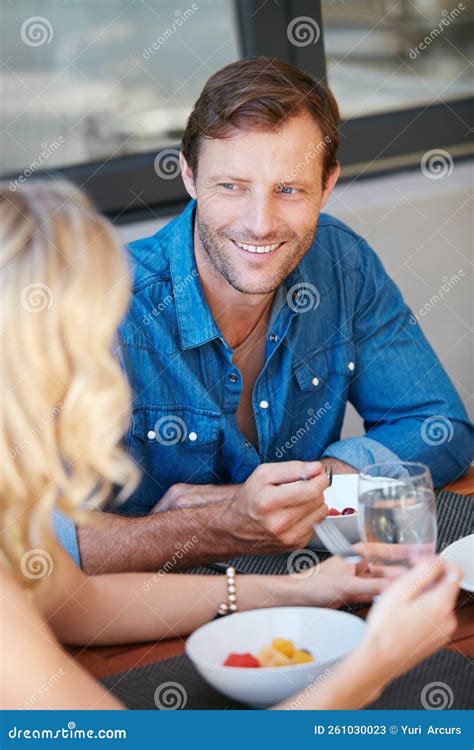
{"x":397,"y":514}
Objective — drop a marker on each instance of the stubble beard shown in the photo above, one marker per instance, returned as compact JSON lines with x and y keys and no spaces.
{"x":212,"y":244}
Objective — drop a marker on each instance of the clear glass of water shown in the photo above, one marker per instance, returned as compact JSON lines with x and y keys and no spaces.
{"x":397,"y":514}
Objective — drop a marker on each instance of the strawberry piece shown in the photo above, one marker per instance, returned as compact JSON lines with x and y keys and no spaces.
{"x":348,"y":511}
{"x":334,"y":512}
{"x":241,"y":660}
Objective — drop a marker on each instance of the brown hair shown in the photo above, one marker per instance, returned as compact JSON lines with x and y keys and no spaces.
{"x":260,"y":93}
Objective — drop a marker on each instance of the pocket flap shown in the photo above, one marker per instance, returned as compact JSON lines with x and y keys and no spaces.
{"x":169,"y":425}
{"x":317,"y":368}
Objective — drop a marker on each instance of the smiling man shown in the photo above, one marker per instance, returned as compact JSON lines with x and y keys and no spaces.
{"x":254,"y":319}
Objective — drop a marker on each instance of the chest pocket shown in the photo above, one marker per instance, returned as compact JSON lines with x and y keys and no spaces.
{"x":171,"y":444}
{"x":327,"y":374}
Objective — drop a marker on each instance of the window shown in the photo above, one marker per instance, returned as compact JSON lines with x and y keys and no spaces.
{"x":99,"y":91}
{"x":392,"y":55}
{"x":90,"y":81}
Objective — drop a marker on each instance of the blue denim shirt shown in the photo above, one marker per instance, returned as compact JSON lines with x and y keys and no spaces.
{"x":339,"y":331}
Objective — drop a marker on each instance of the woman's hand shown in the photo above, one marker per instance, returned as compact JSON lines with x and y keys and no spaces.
{"x":336,"y":582}
{"x":415,"y":617}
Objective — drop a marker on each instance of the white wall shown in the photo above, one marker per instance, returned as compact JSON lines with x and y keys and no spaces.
{"x":422,"y":230}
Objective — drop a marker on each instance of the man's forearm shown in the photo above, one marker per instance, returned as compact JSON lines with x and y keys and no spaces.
{"x":170,"y":540}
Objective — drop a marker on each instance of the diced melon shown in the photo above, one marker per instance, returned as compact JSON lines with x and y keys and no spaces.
{"x":270,"y":657}
{"x":301,"y":657}
{"x":284,"y":646}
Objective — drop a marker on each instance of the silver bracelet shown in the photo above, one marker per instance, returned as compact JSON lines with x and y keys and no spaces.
{"x":230,"y":605}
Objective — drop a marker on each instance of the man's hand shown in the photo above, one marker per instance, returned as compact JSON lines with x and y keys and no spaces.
{"x":277,"y":507}
{"x":183,"y":495}
{"x":274,"y":510}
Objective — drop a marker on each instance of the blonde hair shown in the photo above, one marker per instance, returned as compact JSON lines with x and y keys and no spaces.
{"x":64,"y":287}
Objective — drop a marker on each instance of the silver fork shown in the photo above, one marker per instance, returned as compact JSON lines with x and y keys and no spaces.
{"x":336,"y":542}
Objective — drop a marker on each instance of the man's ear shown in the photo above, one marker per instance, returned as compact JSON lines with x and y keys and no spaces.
{"x":187,"y":175}
{"x":330,"y":183}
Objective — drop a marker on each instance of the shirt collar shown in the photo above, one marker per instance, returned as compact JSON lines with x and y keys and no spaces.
{"x":195,"y":321}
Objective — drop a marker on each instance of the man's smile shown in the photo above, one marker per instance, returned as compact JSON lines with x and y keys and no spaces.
{"x":258,"y":249}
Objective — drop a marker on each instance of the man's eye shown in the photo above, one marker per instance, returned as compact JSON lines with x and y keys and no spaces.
{"x":228,"y":185}
{"x":286,"y":189}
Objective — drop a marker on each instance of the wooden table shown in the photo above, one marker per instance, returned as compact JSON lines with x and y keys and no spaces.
{"x":103,"y":661}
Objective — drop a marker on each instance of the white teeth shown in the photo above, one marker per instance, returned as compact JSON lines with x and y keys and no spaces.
{"x":259,"y":248}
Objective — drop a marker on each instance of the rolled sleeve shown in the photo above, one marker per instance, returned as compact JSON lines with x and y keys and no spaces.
{"x":406,"y":399}
{"x":359,"y":452}
{"x":65,"y":530}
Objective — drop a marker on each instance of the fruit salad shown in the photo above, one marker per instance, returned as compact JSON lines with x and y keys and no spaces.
{"x":281,"y":652}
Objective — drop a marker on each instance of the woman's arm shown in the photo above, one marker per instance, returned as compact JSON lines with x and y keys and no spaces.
{"x":133,"y":607}
{"x":35,"y":671}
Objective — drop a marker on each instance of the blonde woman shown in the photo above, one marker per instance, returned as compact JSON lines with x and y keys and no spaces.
{"x":64,"y":289}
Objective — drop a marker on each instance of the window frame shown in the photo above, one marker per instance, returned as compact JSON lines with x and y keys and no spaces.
{"x":127,"y":188}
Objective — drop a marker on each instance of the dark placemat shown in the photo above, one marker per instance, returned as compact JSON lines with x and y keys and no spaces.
{"x":443,"y":680}
{"x":269,"y":564}
{"x":455,"y":515}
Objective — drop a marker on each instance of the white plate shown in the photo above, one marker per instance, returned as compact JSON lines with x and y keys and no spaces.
{"x":343,"y":493}
{"x":462,"y":553}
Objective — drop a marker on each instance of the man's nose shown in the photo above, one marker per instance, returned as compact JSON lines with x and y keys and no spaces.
{"x":261,"y":220}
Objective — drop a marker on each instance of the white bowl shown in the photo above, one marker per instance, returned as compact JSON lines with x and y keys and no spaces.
{"x":343,"y":493}
{"x":328,"y":634}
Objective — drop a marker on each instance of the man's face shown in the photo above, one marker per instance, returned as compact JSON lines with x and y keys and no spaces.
{"x":259,"y":195}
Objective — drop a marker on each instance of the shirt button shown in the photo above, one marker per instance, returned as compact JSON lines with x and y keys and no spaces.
{"x":151,"y":435}
{"x":247,"y":444}
{"x":264,"y":404}
{"x":315,"y":382}
{"x":233,"y":377}
{"x":193,"y":436}
{"x":351,"y":366}
{"x":273,"y":338}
